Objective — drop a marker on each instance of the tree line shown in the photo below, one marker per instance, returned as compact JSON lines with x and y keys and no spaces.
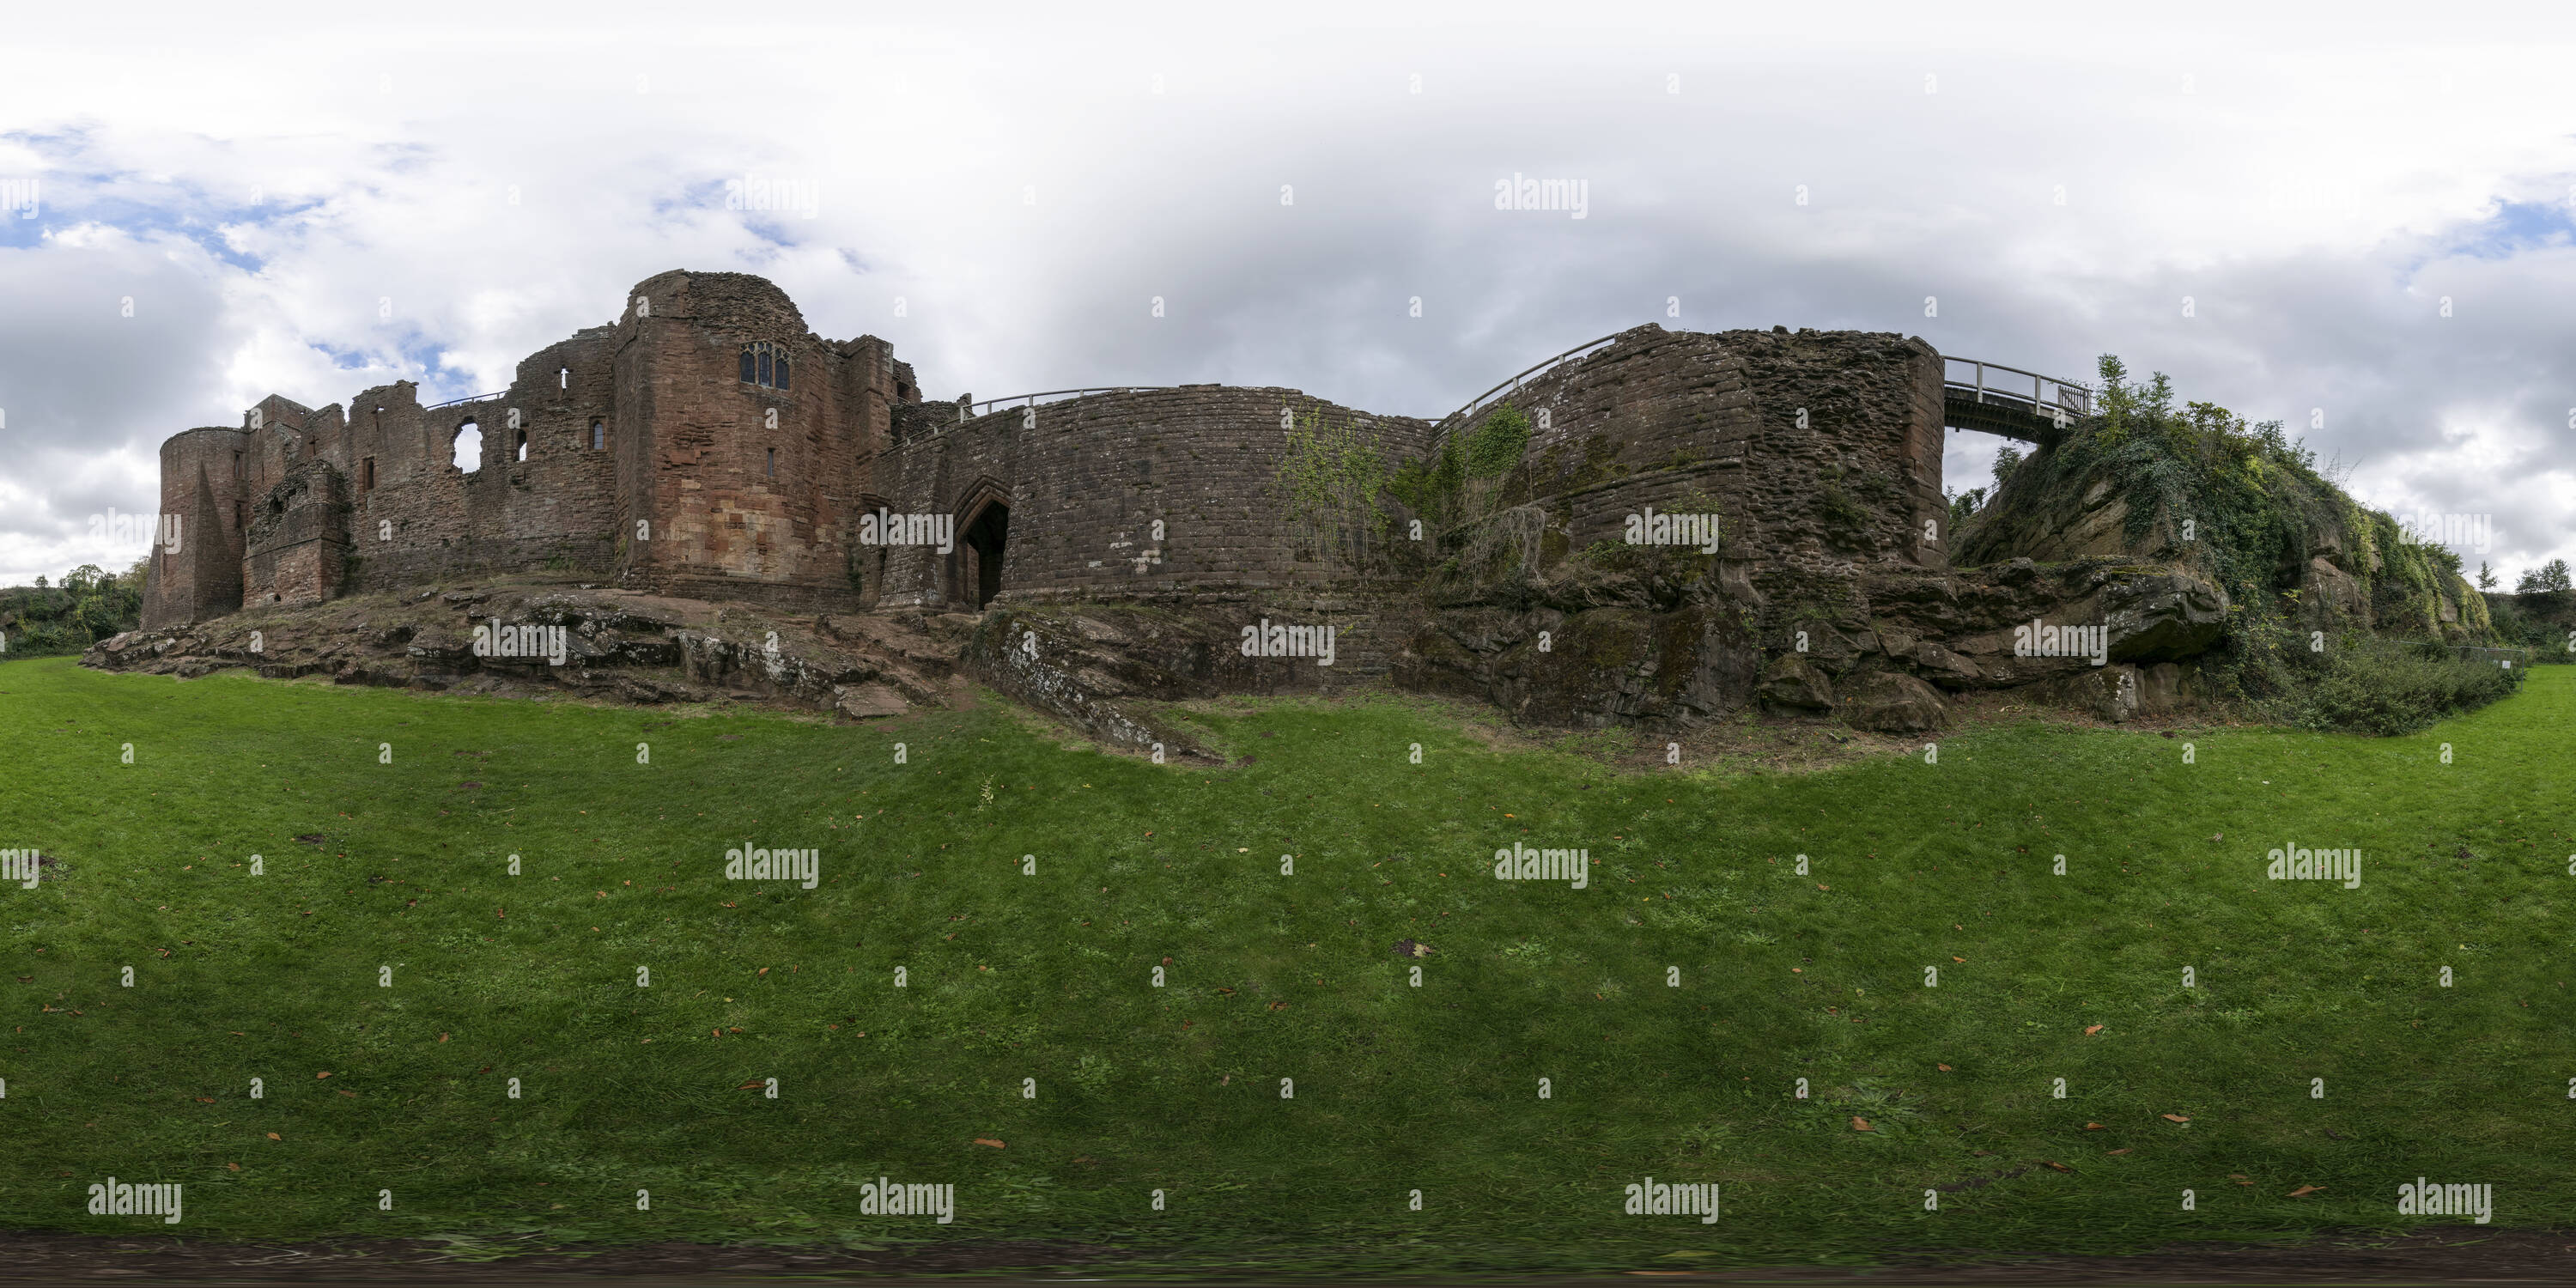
{"x":89,"y":604}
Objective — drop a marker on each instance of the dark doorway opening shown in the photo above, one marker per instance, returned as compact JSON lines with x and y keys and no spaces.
{"x":983,"y":540}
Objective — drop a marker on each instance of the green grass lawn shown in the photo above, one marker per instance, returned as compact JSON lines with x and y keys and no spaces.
{"x":1398,"y":1088}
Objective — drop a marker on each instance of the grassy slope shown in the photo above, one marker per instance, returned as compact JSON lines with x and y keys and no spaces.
{"x":1397,"y":1088}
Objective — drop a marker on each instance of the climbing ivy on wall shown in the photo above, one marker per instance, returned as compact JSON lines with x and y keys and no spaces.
{"x":1496,"y":445}
{"x":1332,"y":479}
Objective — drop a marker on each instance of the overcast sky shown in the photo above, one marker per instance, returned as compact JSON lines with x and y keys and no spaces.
{"x":2370,"y":220}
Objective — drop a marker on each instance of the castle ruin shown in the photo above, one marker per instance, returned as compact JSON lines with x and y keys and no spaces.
{"x":707,"y":447}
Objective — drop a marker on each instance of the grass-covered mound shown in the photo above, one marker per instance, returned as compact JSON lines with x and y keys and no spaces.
{"x":2318,"y":584}
{"x":1673,"y":1006}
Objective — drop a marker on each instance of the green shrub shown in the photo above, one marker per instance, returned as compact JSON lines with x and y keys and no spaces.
{"x":2383,"y":686}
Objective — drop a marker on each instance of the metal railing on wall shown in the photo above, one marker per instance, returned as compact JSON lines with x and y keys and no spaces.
{"x":966,"y":411}
{"x":1984,"y":384}
{"x":1513,"y":385}
{"x":459,"y":402}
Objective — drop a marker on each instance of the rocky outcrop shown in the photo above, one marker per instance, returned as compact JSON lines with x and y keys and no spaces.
{"x":1792,"y":683}
{"x":529,"y":639}
{"x":1893,"y":702}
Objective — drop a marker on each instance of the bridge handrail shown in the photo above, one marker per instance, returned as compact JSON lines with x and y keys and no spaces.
{"x":458,"y":402}
{"x":1479,"y":401}
{"x":964,"y":410}
{"x":2083,"y":400}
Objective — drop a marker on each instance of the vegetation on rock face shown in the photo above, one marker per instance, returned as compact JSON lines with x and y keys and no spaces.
{"x":2246,"y":505}
{"x":90,"y":605}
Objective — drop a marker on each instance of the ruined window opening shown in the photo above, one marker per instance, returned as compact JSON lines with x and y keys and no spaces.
{"x":467,"y":452}
{"x":563,"y":377}
{"x":237,"y":516}
{"x":764,"y":364}
{"x":237,"y":465}
{"x":367,"y":474}
{"x":523,"y":444}
{"x":773,"y":462}
{"x":598,"y":435}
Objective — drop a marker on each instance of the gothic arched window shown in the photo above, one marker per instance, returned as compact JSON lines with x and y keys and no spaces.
{"x":764,"y":364}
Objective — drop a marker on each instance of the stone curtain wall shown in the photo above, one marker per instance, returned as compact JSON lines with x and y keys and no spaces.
{"x":425,"y":519}
{"x":1086,"y":484}
{"x":1658,"y":418}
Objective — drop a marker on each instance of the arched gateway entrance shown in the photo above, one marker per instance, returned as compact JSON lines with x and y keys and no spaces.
{"x":979,"y":551}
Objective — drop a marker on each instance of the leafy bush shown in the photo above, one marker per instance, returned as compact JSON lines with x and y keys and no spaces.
{"x":2382,"y":686}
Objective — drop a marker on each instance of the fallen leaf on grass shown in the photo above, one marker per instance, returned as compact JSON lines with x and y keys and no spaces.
{"x":2122,"y":1150}
{"x":1942,"y":1067}
{"x":275,"y":1136}
{"x":324,"y":1074}
{"x":2177,"y":1118}
{"x":1861,"y":1124}
{"x":980,"y":1140}
{"x":2055,"y":1167}
{"x":2093,"y":1030}
{"x":751,"y":1086}
{"x":233,"y":1166}
{"x":1961,"y":960}
{"x":2092,"y":1126}
{"x":2306,"y":1190}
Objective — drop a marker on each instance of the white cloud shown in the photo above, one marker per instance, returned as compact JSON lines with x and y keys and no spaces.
{"x":272,"y":187}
